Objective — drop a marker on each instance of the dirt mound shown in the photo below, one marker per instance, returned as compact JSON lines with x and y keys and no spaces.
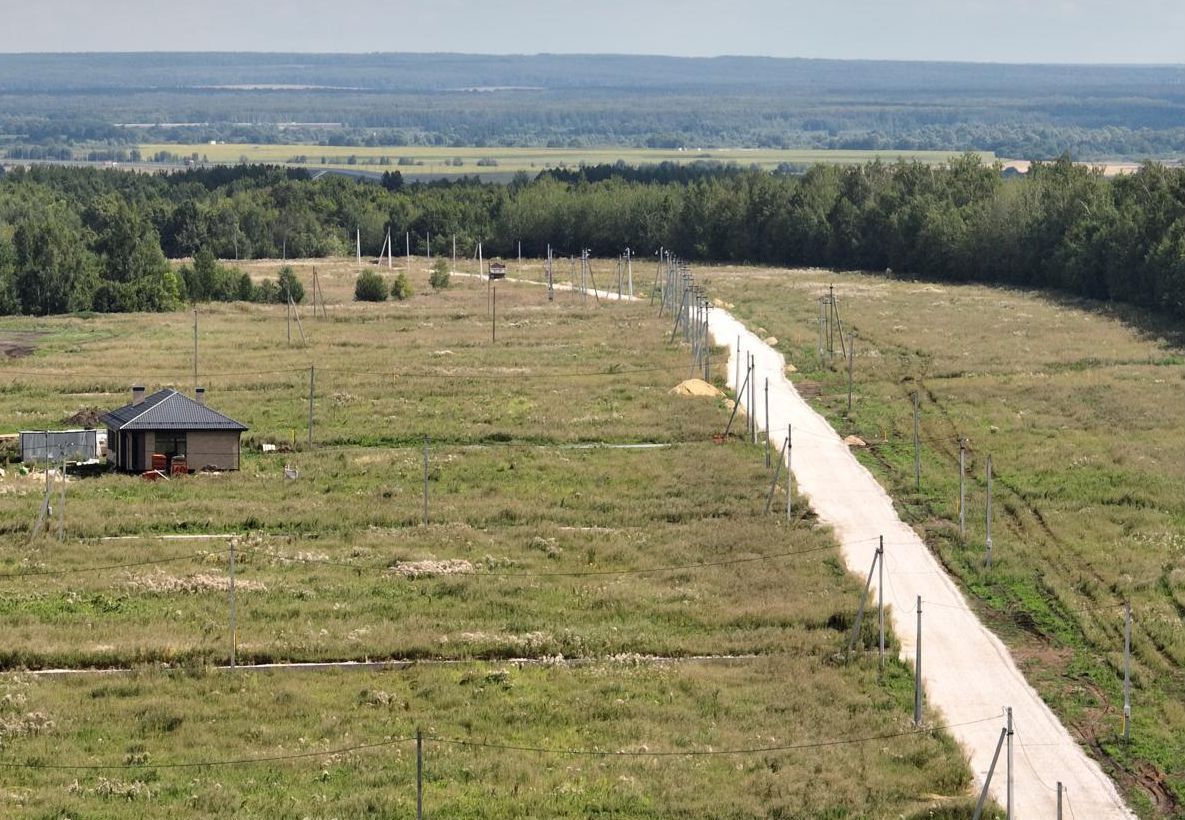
{"x":16,"y":344}
{"x":419,"y":569}
{"x":86,"y":417}
{"x":695,"y":387}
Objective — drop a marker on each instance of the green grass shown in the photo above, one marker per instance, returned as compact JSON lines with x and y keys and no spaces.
{"x":147,"y":723}
{"x":559,"y":543}
{"x":1076,"y":403}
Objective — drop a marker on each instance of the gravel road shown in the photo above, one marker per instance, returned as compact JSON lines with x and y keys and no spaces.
{"x":967,"y":673}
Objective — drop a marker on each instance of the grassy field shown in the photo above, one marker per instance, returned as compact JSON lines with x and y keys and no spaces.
{"x":1078,"y":405}
{"x":542,"y":543}
{"x":435,"y":161}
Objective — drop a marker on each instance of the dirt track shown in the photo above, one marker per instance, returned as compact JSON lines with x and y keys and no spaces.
{"x":967,"y":672}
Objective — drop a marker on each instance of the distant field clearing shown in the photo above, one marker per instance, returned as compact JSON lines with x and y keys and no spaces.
{"x":422,"y":160}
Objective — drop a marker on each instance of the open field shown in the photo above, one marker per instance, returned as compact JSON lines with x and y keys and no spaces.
{"x":149,"y":722}
{"x":1076,"y":405}
{"x":538,"y":546}
{"x":428,"y":161}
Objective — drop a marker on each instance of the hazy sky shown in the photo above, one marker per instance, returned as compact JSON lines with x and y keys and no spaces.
{"x":1081,"y":31}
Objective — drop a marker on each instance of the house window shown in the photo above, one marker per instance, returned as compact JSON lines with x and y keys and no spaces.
{"x":170,"y":442}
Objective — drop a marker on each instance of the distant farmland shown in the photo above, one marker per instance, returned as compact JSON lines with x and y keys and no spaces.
{"x":495,"y":162}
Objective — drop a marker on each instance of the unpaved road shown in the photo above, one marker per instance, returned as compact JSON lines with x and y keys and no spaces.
{"x":967,"y":673}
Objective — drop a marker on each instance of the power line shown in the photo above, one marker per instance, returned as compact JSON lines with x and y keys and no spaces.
{"x":383,"y":568}
{"x":817,"y":744}
{"x":101,"y":567}
{"x":476,"y":744}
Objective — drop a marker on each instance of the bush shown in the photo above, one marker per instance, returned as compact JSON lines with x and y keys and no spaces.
{"x":290,"y":285}
{"x":369,"y":287}
{"x":439,"y":277}
{"x":401,"y":287}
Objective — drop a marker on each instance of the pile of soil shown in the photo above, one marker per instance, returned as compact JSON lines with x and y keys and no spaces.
{"x":695,"y":387}
{"x":87,"y":417}
{"x":16,"y":344}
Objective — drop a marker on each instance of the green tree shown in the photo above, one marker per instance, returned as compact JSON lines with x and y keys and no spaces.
{"x":290,"y":285}
{"x":369,"y":287}
{"x":439,"y":277}
{"x":401,"y":287}
{"x":55,"y":271}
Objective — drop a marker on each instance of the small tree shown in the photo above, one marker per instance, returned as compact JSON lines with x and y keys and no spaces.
{"x":439,"y":277}
{"x":401,"y":287}
{"x":369,"y":287}
{"x":290,"y":285}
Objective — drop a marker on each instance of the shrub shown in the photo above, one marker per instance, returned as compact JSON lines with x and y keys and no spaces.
{"x":401,"y":287}
{"x":290,"y":285}
{"x":439,"y":277}
{"x":369,"y":287}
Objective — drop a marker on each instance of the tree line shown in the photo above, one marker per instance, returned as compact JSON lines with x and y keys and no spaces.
{"x":87,"y":239}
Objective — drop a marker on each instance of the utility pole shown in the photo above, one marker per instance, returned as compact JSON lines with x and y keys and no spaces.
{"x":1127,"y":670}
{"x":419,"y":774}
{"x":767,"y":427}
{"x":962,"y":488}
{"x":880,"y":604}
{"x":311,"y":380}
{"x":407,"y":241}
{"x":62,"y":498}
{"x":851,"y":364}
{"x":425,"y":481}
{"x":550,"y":277}
{"x":753,"y":398}
{"x":917,"y":444}
{"x":738,"y":360}
{"x":234,"y":636}
{"x":629,"y":271}
{"x":195,"y":348}
{"x":1010,"y":789}
{"x":917,"y":672}
{"x":988,"y":557}
{"x":789,"y":472}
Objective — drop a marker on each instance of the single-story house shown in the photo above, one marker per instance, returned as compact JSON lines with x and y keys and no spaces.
{"x":173,"y":425}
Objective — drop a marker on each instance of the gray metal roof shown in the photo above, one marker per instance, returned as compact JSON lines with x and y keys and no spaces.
{"x":168,"y":410}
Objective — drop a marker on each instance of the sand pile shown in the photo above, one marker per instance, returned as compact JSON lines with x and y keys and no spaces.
{"x":695,"y":387}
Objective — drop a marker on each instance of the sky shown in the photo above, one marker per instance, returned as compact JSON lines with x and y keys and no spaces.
{"x":1008,"y":31}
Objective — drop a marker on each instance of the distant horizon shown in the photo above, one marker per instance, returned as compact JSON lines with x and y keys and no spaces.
{"x":1005,"y":32}
{"x":787,"y":58}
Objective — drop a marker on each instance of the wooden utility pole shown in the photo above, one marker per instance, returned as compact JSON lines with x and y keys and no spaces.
{"x":195,"y":348}
{"x":311,"y":382}
{"x":962,"y":487}
{"x":234,"y":635}
{"x":988,"y":516}
{"x":917,"y":672}
{"x":1127,"y":665}
{"x":917,"y":443}
{"x":425,"y":481}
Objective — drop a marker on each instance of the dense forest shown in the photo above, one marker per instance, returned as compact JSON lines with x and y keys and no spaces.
{"x":84,"y":239}
{"x":63,"y":106}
